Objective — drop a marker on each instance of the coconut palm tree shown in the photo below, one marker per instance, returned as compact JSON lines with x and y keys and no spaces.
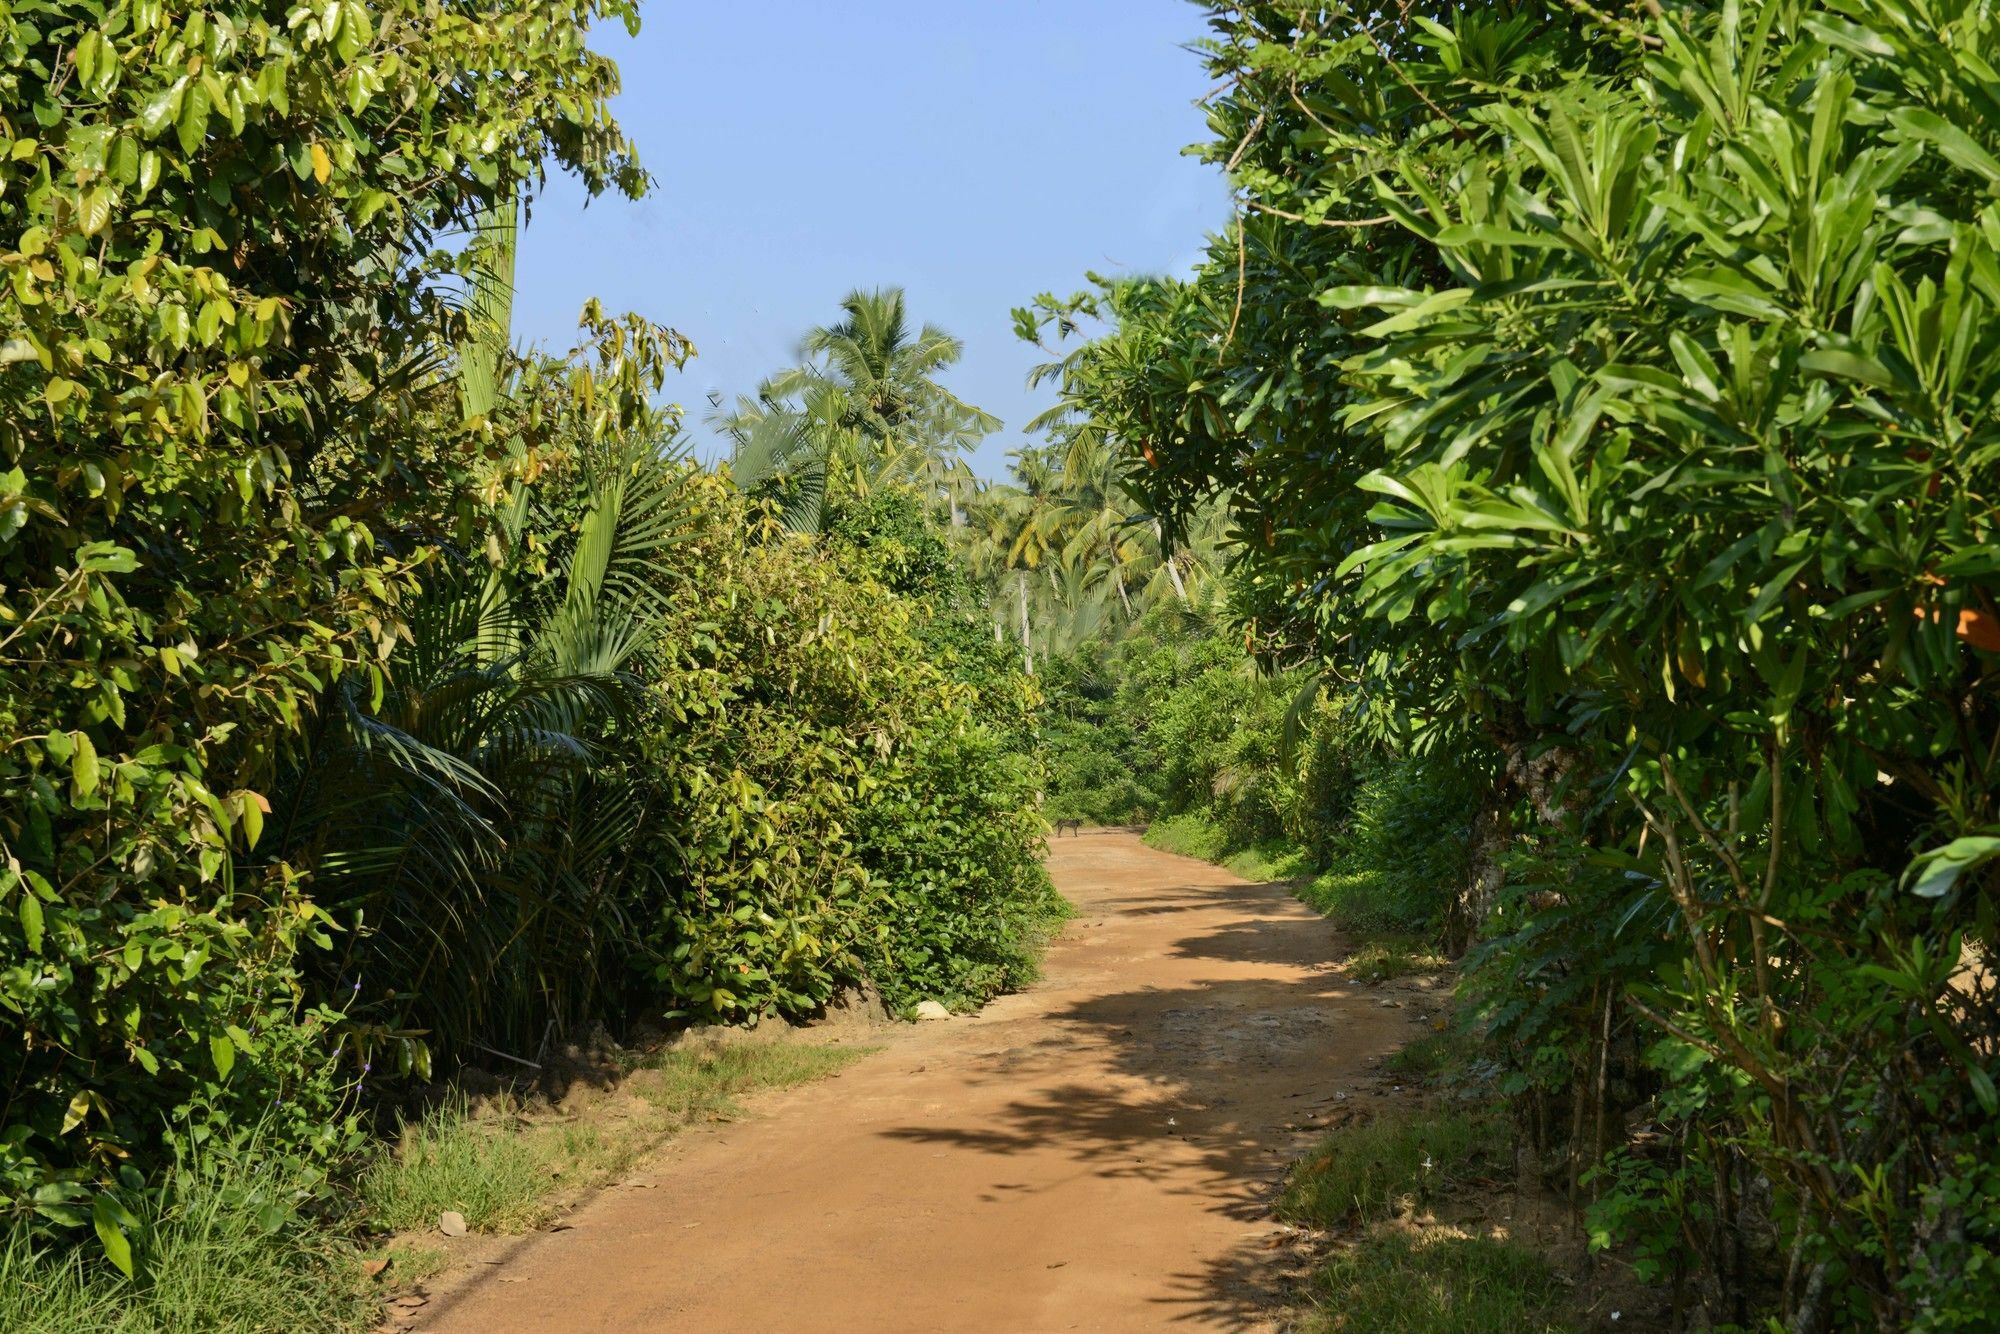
{"x":1065,"y":555}
{"x":862,"y":409}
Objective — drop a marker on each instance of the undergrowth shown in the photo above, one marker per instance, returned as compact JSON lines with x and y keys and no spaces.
{"x":507,"y":1172}
{"x":1400,"y":854}
{"x":1403,"y":1270}
{"x":219,"y":1251}
{"x":1195,"y":834}
{"x":1433,"y":1055}
{"x":1435,"y":1281}
{"x":1392,"y":956}
{"x":1389,"y":1164}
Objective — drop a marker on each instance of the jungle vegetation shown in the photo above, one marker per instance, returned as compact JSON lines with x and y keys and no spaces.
{"x":1602,"y":400}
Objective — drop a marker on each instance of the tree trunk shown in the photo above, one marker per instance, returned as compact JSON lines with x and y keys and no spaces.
{"x":1483,"y":874}
{"x":1027,"y":644}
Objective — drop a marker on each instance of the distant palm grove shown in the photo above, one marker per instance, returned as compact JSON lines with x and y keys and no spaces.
{"x":1557,"y":523}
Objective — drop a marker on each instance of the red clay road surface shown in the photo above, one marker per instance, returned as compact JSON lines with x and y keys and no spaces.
{"x":1096,"y":1153}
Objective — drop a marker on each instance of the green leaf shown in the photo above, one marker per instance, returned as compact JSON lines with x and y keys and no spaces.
{"x":192,"y":124}
{"x":1847,"y":365}
{"x":1983,"y":1090}
{"x":83,"y":764}
{"x":111,"y":1220}
{"x":31,"y":920}
{"x":1956,"y":146}
{"x":160,"y":111}
{"x":106,"y":558}
{"x":1939,"y":869}
{"x":93,"y":213}
{"x":223,"y":1052}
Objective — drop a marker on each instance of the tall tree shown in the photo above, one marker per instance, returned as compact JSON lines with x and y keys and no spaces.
{"x":863,"y":407}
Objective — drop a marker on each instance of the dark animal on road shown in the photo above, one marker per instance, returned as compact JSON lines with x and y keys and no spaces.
{"x":1074,"y":826}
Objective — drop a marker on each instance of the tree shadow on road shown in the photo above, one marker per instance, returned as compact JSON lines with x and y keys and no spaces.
{"x":1215,"y":1086}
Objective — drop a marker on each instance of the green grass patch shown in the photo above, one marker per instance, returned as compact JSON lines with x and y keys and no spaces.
{"x":1435,"y":1282}
{"x":1371,"y":1171}
{"x":1432,"y":1056}
{"x":409,"y":1263}
{"x":1367,"y":900}
{"x":1389,"y":957}
{"x":691,"y":1084}
{"x":493,"y":1170}
{"x":508,"y":1173}
{"x":1273,"y":860}
{"x":1195,"y":835}
{"x":1187,"y":836}
{"x":218,"y":1253}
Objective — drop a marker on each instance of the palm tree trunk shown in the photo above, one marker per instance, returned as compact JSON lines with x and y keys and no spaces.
{"x":1027,"y":643}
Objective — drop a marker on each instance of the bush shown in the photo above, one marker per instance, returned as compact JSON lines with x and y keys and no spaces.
{"x":840,"y":793}
{"x":1402,"y":856}
{"x":225,"y":450}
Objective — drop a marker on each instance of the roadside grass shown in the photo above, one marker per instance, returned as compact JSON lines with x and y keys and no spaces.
{"x":1277,"y":859}
{"x":507,"y":1171}
{"x":694,"y":1084}
{"x":222,"y":1252}
{"x":1434,"y":1281}
{"x":213,"y":1255}
{"x":1187,"y":836}
{"x":1385,"y":958}
{"x":1393,"y":1163}
{"x":410,"y":1263}
{"x":1402,"y":1270}
{"x":1364,"y":900}
{"x":1194,"y":835}
{"x":495,"y":1173}
{"x":1432,"y":1056}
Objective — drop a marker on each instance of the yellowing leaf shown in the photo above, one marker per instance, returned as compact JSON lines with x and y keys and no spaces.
{"x":94,"y":212}
{"x":253,"y":808}
{"x":79,"y":1107}
{"x":322,"y":164}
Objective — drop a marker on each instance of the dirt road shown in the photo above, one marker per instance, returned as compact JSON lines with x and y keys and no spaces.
{"x":1096,"y":1153}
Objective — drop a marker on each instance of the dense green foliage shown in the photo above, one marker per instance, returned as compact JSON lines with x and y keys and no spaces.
{"x":1171,"y":724}
{"x":1604,"y":401}
{"x":224,"y":447}
{"x":846,"y":795}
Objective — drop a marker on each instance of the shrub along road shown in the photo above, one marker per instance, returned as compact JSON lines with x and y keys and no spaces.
{"x":1095,"y":1153}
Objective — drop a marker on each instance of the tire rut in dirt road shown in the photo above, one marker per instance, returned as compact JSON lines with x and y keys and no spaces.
{"x":1096,"y":1153}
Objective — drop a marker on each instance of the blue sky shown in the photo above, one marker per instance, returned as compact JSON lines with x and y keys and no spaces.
{"x":974,"y":152}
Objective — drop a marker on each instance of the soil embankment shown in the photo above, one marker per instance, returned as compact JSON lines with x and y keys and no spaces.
{"x":1096,"y":1153}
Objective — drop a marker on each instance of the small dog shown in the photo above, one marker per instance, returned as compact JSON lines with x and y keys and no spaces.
{"x":1075,"y":827}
